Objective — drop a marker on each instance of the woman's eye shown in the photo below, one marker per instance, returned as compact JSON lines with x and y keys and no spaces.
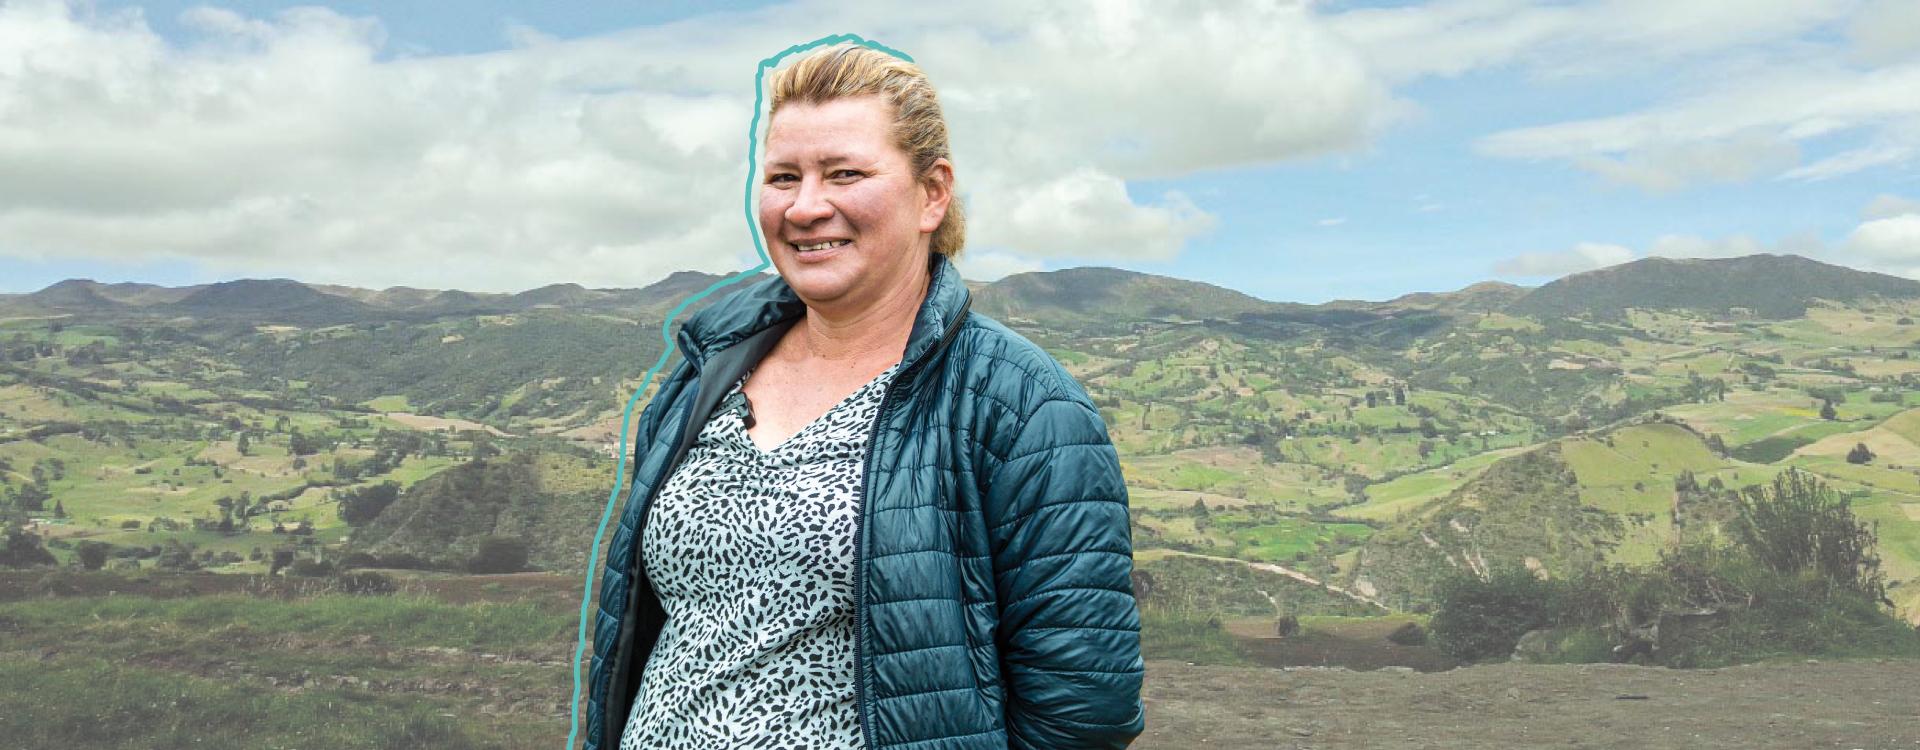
{"x":779,"y":179}
{"x":841,"y":174}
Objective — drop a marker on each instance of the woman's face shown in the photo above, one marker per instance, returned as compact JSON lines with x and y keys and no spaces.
{"x":846,"y":221}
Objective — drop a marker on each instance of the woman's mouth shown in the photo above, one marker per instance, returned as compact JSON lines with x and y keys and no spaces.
{"x":818,"y":246}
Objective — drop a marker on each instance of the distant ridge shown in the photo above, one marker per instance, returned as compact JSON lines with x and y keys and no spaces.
{"x":1477,"y":297}
{"x":1765,"y":285}
{"x":1768,"y":285}
{"x":271,"y":300}
{"x":71,"y":295}
{"x":558,"y":295}
{"x":1096,"y":294}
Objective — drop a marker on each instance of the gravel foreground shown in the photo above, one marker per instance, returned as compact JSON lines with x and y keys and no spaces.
{"x":1868,"y":705}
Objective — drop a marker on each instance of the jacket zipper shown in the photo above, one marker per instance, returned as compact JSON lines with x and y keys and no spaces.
{"x":859,"y":527}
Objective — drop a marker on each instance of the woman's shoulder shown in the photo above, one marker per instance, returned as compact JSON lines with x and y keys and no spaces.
{"x":1011,"y":366}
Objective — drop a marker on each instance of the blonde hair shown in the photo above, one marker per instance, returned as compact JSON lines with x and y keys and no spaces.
{"x":919,"y":130}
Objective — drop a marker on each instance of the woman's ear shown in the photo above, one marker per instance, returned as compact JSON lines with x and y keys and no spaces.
{"x":938,"y":184}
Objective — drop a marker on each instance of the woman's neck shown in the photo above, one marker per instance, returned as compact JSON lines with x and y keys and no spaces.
{"x":880,"y":328}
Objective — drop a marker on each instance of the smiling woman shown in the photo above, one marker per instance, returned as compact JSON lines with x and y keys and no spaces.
{"x":863,"y":516}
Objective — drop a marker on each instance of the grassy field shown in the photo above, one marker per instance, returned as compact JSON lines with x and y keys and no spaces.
{"x":269,"y":670}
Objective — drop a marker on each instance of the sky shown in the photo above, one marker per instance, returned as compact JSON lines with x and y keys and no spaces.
{"x":1294,"y":151}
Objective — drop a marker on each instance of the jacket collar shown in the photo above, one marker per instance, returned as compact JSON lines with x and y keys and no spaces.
{"x":772,"y":302}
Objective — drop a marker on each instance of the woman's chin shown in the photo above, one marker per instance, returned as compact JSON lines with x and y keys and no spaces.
{"x":812,"y":286}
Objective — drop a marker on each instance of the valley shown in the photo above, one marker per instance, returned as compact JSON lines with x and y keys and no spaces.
{"x":1327,"y":463}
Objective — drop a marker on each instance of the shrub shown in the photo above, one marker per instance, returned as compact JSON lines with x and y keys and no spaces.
{"x":405,"y":561}
{"x":282,"y":557}
{"x":499,"y":554}
{"x":1186,"y":636}
{"x":359,"y":560}
{"x":307,"y":567}
{"x":1799,"y":524}
{"x":1580,"y":645}
{"x":177,"y":556}
{"x":1409,"y":634}
{"x":91,"y":554}
{"x":364,"y":582}
{"x":20,"y":548}
{"x":1478,"y":619}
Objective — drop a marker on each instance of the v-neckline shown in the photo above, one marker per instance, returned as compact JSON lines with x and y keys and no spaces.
{"x":739,"y":391}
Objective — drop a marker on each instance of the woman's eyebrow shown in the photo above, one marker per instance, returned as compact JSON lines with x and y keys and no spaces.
{"x":827,"y":161}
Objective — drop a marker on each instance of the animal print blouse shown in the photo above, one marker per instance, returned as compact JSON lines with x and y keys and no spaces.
{"x":751,"y":554}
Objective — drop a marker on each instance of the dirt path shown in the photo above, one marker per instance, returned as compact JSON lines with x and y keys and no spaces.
{"x":1869,"y":705}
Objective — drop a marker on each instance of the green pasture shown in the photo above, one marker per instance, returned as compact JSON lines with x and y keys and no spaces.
{"x":1282,"y":542}
{"x":390,"y":403}
{"x":1406,"y":493}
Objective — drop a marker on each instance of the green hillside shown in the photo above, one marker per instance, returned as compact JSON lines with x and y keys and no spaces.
{"x":1354,"y":442}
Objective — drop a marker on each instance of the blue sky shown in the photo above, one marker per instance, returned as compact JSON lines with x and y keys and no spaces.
{"x":1301,"y":153}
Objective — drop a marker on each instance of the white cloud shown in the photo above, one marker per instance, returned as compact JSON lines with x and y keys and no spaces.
{"x":1332,"y":221}
{"x":1452,"y":37}
{"x":1087,"y":213}
{"x":992,"y":266}
{"x":1887,"y":206}
{"x":1850,"y":161}
{"x":1741,"y":131}
{"x":1749,"y":82}
{"x":1585,"y":256}
{"x":295,"y":144}
{"x":1674,"y":166}
{"x":1886,"y":30}
{"x":1894,"y":239}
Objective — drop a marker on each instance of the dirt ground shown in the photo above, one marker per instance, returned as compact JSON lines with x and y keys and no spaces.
{"x":1869,"y":705}
{"x":1358,"y":645}
{"x":1863,"y":705}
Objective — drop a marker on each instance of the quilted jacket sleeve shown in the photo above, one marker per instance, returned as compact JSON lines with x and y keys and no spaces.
{"x":1069,"y":627}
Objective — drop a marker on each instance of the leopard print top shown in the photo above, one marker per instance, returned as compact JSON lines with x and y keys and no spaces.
{"x":751,"y":554}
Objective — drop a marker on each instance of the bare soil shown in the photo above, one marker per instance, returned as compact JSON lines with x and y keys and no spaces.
{"x":1356,"y":644}
{"x":1870,"y":705}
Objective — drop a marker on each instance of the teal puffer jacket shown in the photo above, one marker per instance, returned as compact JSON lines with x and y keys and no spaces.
{"x":993,"y":605}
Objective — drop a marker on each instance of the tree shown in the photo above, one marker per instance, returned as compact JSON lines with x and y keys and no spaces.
{"x":177,"y":556}
{"x":282,"y":557}
{"x":302,"y":444}
{"x":59,"y":509}
{"x":1826,"y":410}
{"x":1399,"y":395}
{"x":244,"y":445}
{"x":91,"y":554}
{"x":357,"y":507}
{"x":483,"y":447}
{"x":1799,"y":524}
{"x":31,"y":498}
{"x":1860,"y":454}
{"x":20,"y":548}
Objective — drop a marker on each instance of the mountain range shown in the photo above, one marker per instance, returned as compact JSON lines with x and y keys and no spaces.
{"x":1770,"y":286}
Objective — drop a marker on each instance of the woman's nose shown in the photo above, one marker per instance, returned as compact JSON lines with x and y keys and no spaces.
{"x":809,"y":204}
